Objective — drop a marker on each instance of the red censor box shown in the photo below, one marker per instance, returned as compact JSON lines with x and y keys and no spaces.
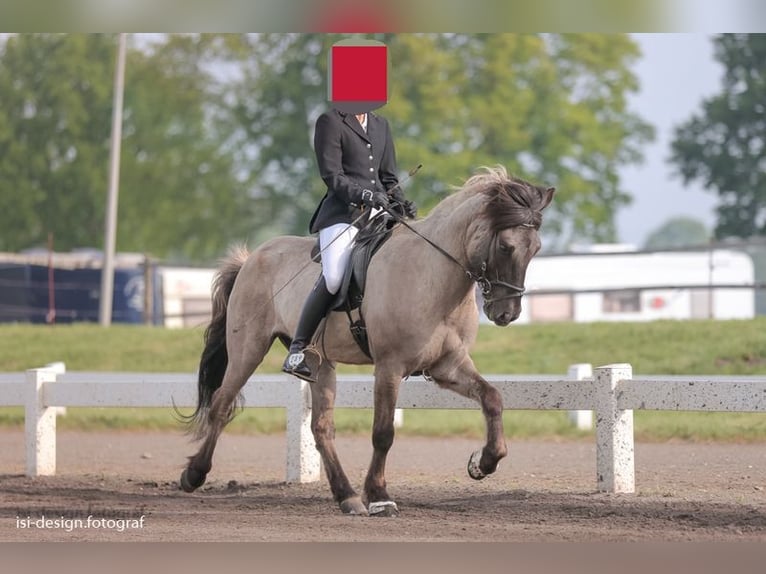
{"x":358,"y":76}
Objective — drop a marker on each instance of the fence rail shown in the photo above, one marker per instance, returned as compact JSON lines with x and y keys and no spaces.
{"x":611,"y":392}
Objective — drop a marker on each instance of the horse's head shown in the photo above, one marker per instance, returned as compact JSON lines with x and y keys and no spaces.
{"x":509,"y":240}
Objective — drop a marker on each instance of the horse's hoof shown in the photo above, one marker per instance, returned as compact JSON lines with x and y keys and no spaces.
{"x":353,"y":506}
{"x":191,"y":480}
{"x":474,"y":468}
{"x":384,"y":508}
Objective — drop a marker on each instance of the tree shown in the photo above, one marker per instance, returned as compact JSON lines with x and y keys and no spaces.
{"x":550,"y":108}
{"x":54,"y":132}
{"x":217,"y":133}
{"x":272,"y":111}
{"x":184,"y":194}
{"x":179,"y":194}
{"x":678,"y":232}
{"x":723,"y":147}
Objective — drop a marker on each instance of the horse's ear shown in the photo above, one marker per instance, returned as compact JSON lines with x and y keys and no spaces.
{"x":547,"y":196}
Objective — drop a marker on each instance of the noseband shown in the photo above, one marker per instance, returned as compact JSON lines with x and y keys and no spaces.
{"x":488,"y":285}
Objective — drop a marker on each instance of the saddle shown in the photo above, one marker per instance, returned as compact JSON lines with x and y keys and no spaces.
{"x":351,"y":293}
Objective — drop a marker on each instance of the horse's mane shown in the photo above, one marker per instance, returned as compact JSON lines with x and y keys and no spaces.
{"x":511,"y":201}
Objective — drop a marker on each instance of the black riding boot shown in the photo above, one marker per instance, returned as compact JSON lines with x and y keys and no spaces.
{"x":314,"y":309}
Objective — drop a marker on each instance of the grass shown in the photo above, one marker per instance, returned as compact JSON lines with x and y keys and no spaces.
{"x":661,"y":347}
{"x":664,"y":347}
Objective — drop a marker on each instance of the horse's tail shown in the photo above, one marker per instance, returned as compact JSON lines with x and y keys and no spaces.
{"x":214,"y":359}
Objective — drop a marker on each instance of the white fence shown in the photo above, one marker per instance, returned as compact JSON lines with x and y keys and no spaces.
{"x":612,"y":393}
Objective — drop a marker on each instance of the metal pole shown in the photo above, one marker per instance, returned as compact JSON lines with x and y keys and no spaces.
{"x":148,"y":292}
{"x":50,"y":316}
{"x":711,"y":292}
{"x":107,"y":271}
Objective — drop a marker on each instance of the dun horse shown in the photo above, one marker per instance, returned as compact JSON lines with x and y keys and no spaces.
{"x":421,"y":315}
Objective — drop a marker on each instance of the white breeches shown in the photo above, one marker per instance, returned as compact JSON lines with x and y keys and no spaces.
{"x":336,"y":252}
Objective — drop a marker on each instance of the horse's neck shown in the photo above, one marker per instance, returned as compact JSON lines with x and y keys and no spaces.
{"x":448,"y":225}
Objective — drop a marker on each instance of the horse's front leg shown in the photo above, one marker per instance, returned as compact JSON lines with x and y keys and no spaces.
{"x":462,"y":377}
{"x":323,"y":428}
{"x":379,"y":503}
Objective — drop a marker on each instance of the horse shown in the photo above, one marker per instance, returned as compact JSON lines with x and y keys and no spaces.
{"x":421,"y":314}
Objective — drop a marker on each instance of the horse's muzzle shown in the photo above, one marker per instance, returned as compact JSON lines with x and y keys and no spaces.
{"x":503,"y":318}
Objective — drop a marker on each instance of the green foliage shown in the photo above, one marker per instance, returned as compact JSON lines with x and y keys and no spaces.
{"x":550,"y":108}
{"x":180,"y":194}
{"x":217,"y":131}
{"x":678,"y":232}
{"x":281,"y":93}
{"x":722,"y":145}
{"x":54,"y":132}
{"x":177,"y":183}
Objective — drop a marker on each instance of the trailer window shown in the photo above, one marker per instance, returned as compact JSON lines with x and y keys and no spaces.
{"x":548,"y":308}
{"x":623,"y":301}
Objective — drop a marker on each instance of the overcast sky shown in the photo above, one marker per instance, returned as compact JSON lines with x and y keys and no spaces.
{"x":677,"y":71}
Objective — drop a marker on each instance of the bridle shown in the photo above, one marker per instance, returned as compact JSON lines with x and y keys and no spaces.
{"x":486,"y":284}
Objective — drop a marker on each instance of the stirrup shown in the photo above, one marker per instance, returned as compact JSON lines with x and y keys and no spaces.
{"x":294,"y":360}
{"x":295,"y":364}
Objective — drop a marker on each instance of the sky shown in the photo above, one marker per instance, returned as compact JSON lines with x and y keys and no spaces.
{"x":676,"y":72}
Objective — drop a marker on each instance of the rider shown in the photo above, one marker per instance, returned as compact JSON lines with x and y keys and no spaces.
{"x":357,"y":161}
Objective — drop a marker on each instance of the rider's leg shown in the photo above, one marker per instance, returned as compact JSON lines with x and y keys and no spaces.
{"x":335,"y":242}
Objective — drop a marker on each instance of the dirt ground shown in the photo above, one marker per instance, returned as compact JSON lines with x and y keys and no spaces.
{"x":543,"y":491}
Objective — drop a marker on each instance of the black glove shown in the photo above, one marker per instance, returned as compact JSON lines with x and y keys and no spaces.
{"x":403,"y":206}
{"x":410,"y":209}
{"x":397,"y":195}
{"x":374,"y":199}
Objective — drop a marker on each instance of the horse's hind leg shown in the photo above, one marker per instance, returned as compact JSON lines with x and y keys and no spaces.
{"x":462,"y":377}
{"x":242,"y":362}
{"x":323,"y":428}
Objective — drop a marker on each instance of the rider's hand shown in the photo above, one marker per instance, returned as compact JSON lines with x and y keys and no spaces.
{"x":375,"y":199}
{"x":410,"y":209}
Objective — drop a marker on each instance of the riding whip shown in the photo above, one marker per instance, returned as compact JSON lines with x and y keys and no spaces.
{"x":410,"y":174}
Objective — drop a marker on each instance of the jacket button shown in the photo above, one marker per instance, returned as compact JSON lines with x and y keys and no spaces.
{"x":370,"y":157}
{"x":369,"y":146}
{"x":372,"y":181}
{"x":372,"y":169}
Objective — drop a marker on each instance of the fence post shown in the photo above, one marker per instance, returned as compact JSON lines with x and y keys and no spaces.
{"x":615,"y":464}
{"x":59,"y":368}
{"x":583,"y":420}
{"x":40,"y":425}
{"x":303,"y":460}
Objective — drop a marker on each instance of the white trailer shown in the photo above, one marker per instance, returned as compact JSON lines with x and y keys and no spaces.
{"x":186,"y":295}
{"x":639,"y":286}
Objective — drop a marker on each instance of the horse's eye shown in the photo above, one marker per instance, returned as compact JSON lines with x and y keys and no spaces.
{"x":505,"y":248}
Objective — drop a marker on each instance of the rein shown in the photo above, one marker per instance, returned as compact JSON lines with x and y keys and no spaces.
{"x":485,"y":283}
